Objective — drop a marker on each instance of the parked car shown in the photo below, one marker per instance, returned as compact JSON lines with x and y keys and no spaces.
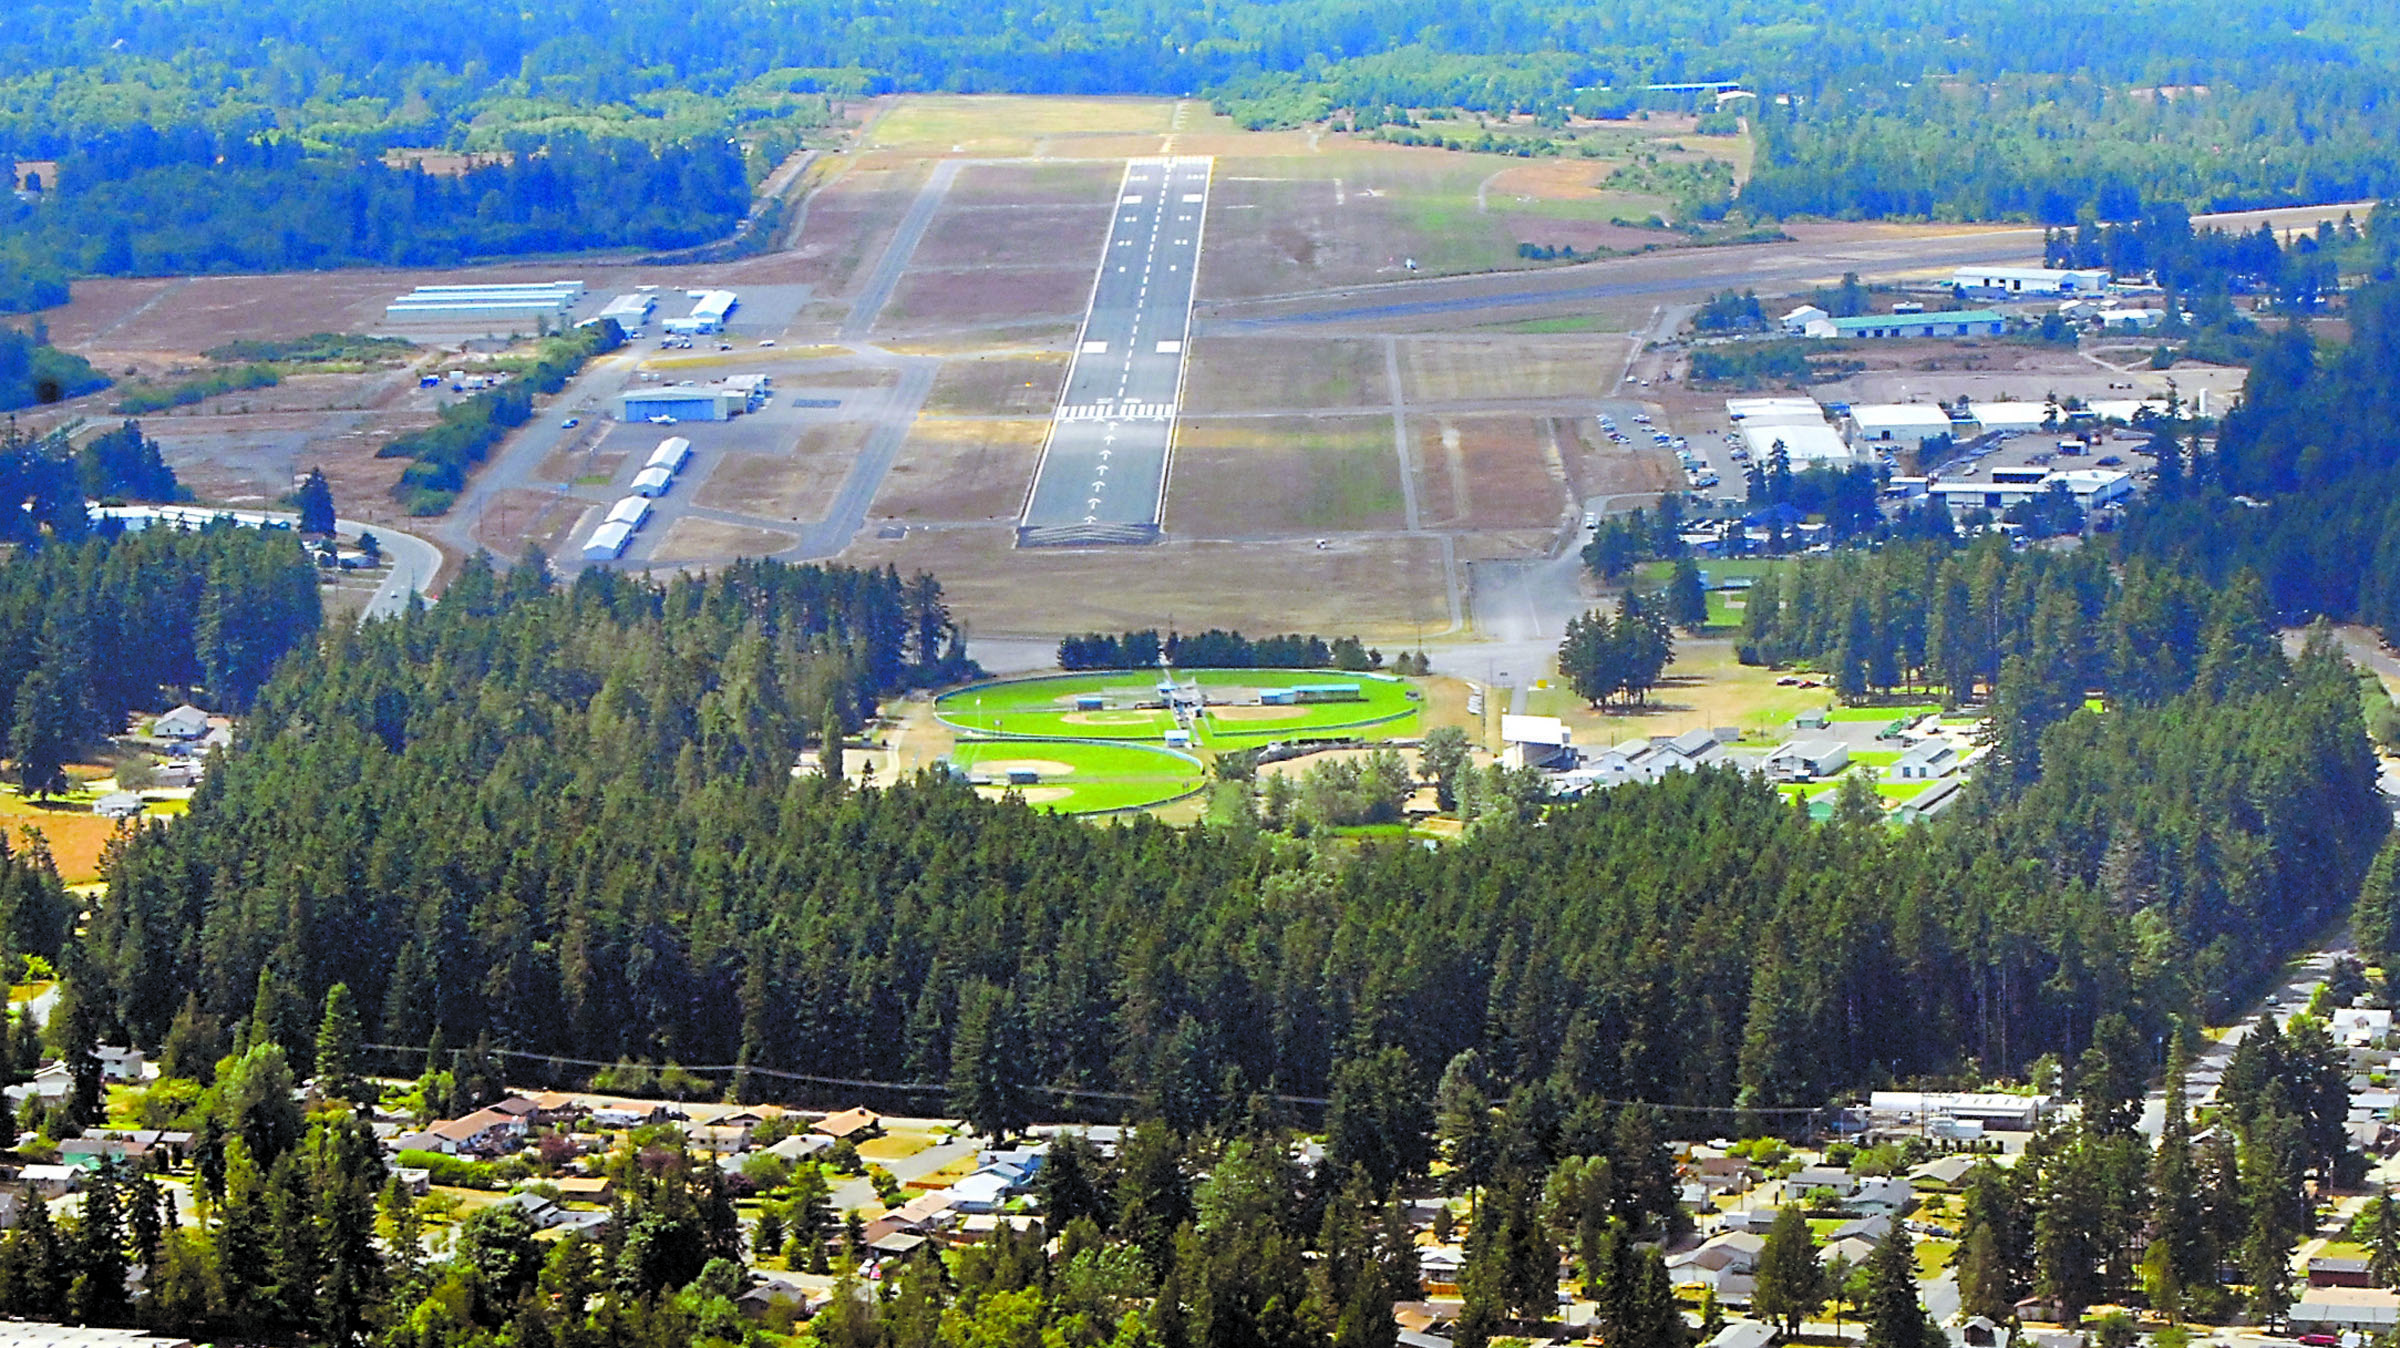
{"x":571,"y":423}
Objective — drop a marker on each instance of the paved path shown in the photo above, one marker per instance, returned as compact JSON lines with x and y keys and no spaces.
{"x":888,"y":270}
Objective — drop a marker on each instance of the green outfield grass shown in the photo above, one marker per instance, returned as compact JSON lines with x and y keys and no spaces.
{"x":1084,"y":776}
{"x":1045,"y":708}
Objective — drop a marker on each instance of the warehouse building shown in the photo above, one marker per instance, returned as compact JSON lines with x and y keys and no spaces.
{"x":630,"y":511}
{"x":710,"y":309}
{"x":1804,"y":447}
{"x":1940,"y":323}
{"x":630,"y":311}
{"x":680,"y":402}
{"x":1900,"y":425}
{"x":652,"y":482}
{"x":2092,"y":488}
{"x":607,"y":542}
{"x":497,"y":308}
{"x":2030,"y":280}
{"x":672,"y":454}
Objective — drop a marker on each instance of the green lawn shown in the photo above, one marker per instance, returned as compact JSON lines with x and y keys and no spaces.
{"x":1100,"y":775}
{"x":1045,"y":707}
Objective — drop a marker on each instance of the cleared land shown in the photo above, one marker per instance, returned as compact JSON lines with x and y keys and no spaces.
{"x":942,"y":299}
{"x":1066,"y":183}
{"x":799,"y":485}
{"x":962,"y":470}
{"x":1000,"y":384}
{"x":995,"y":126}
{"x":1487,"y":472}
{"x":1246,"y":477}
{"x":1281,"y":374}
{"x":692,"y":541}
{"x":1470,"y":369}
{"x":1383,"y":588}
{"x":1009,"y":236}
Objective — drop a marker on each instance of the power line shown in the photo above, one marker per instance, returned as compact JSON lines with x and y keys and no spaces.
{"x":1075,"y":1092}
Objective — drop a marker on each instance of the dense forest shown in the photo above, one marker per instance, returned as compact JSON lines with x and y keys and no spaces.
{"x":563,"y":819}
{"x":2299,"y":485}
{"x":140,"y":201}
{"x":643,"y":125}
{"x":33,"y":372}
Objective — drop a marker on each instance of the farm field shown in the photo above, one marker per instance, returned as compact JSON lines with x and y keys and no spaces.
{"x":1047,"y":707}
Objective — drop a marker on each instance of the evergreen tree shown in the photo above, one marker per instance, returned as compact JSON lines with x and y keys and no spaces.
{"x":1686,"y":597}
{"x":314,"y":499}
{"x":1894,"y":1316}
{"x":338,"y":1039}
{"x":987,"y":1054}
{"x":1791,"y":1282}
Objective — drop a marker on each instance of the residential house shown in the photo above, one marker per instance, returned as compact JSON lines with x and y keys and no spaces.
{"x":1873,"y":1230}
{"x":1724,"y":1174}
{"x":2329,"y":1270}
{"x":1805,"y":760}
{"x":1809,"y":1178}
{"x":1742,"y":1334}
{"x":186,"y":722}
{"x":51,"y":1084}
{"x":585,"y":1189}
{"x":1881,"y":1195}
{"x":855,"y":1125}
{"x":800,"y":1146}
{"x":1850,"y":1250}
{"x":1536,"y":742}
{"x":121,"y":1065}
{"x":2360,"y":1025}
{"x":542,"y":1212}
{"x":1929,"y":761}
{"x":51,"y":1181}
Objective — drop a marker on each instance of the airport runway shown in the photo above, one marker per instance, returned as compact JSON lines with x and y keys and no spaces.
{"x":1103,"y":472}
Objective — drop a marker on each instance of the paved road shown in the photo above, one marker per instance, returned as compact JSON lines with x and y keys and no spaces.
{"x":415,"y":563}
{"x":848,"y":513}
{"x":1104,"y":467}
{"x":521,"y":454}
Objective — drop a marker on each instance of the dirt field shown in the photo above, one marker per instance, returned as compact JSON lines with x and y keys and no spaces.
{"x":1059,"y":184}
{"x":797,"y":486}
{"x":1015,"y":236}
{"x":993,"y":126}
{"x":1597,"y":466}
{"x":1384,"y":589}
{"x":1001,"y":384}
{"x":1468,"y":369}
{"x":962,"y":470}
{"x":948,"y":299}
{"x":693,"y":542}
{"x":1262,"y":476}
{"x":1488,"y":472}
{"x":528,"y":518}
{"x":851,"y":219}
{"x":1283,"y":374}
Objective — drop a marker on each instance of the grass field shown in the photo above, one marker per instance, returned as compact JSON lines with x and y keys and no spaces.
{"x":1235,"y":477}
{"x":1082,"y":776}
{"x":1045,"y":707}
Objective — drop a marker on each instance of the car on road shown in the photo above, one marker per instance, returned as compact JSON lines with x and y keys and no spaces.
{"x":768,"y":342}
{"x":570,"y":423}
{"x":1591,"y":519}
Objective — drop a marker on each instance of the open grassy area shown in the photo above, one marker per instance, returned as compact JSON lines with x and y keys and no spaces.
{"x":1047,"y":707}
{"x":1081,"y":776}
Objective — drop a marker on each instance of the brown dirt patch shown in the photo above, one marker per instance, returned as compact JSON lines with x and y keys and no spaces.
{"x":1598,"y":466}
{"x":797,"y":486}
{"x":851,"y":219}
{"x":962,"y":470}
{"x":693,"y":541}
{"x":1384,"y":589}
{"x":1108,"y":718}
{"x":1267,"y":475}
{"x":1031,"y":795}
{"x":1046,"y":767}
{"x":1035,"y":236}
{"x":1549,"y":179}
{"x":1252,"y":374}
{"x":934,"y":299}
{"x":1011,"y":385}
{"x":522,"y":517}
{"x":1258,"y":713}
{"x":1584,"y":236}
{"x":1487,"y":472}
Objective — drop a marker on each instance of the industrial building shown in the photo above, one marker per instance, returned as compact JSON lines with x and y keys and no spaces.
{"x":607,"y":542}
{"x":710,"y":309}
{"x":672,"y":454}
{"x":680,"y":402}
{"x":2030,"y":280}
{"x":630,"y":511}
{"x":2091,"y":488}
{"x":2017,"y":1113}
{"x":652,"y":482}
{"x":630,"y":311}
{"x":1900,"y":425}
{"x":1804,"y":447}
{"x":488,"y":308}
{"x":2017,"y":418}
{"x":1940,"y":323}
